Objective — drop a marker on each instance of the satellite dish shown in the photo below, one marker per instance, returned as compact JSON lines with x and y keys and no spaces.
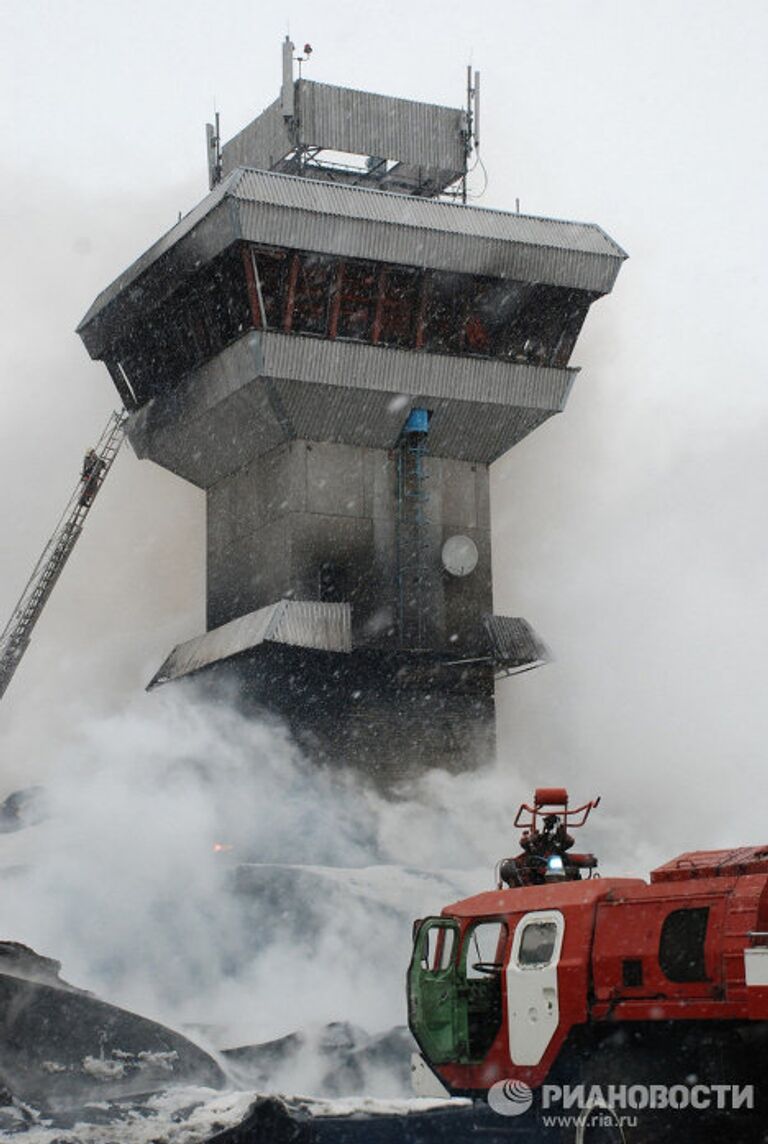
{"x":459,"y":555}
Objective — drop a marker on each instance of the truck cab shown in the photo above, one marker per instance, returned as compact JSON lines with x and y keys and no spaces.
{"x":574,"y":975}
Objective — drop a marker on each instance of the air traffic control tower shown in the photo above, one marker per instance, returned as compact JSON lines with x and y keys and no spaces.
{"x":336,"y":347}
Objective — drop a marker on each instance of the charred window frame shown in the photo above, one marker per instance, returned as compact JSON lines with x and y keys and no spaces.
{"x":208,"y":312}
{"x":272,"y":267}
{"x":408,"y":308}
{"x":682,"y":945}
{"x":309,"y":293}
{"x":549,"y":321}
{"x":321,"y":295}
{"x":445,"y":312}
{"x":356,"y":300}
{"x":575,"y":308}
{"x":397,"y":309}
{"x":493,"y":327}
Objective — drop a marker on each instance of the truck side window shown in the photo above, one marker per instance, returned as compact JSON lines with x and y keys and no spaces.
{"x":485,"y":944}
{"x":537,"y":944}
{"x":681,"y":946}
{"x":437,"y":948}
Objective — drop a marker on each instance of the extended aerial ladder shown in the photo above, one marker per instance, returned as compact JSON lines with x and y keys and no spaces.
{"x":18,"y":632}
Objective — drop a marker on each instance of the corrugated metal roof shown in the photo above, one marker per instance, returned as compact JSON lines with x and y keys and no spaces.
{"x":308,"y":623}
{"x":339,"y":201}
{"x":406,"y":244}
{"x":298,"y":623}
{"x":514,"y":642}
{"x":328,"y":627}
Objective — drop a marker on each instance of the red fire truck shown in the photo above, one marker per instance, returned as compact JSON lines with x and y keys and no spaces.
{"x":559,"y":978}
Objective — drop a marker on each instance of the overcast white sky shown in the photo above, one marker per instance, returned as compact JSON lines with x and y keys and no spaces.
{"x":630,"y":530}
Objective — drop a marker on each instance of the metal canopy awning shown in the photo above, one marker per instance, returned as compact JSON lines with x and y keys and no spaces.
{"x":510,"y":644}
{"x":515,"y":645}
{"x":296,"y":623}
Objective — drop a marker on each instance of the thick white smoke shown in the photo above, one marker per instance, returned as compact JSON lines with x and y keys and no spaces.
{"x":131,"y":877}
{"x":193,"y":866}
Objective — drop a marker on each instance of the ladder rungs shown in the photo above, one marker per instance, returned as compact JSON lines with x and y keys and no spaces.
{"x":15,"y":637}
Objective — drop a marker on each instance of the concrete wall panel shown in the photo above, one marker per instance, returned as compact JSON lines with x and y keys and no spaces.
{"x":454,"y":481}
{"x":379,"y":481}
{"x":282,"y":479}
{"x":335,"y":482}
{"x":483,"y":497}
{"x":244,"y":575}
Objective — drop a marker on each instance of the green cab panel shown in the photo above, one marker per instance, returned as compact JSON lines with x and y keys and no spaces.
{"x":455,"y":991}
{"x":437,"y":1011}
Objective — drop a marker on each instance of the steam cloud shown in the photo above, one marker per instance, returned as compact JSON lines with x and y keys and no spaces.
{"x":131,"y":878}
{"x":193,"y":866}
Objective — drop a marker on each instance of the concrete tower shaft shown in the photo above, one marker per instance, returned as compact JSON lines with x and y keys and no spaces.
{"x":319,"y":521}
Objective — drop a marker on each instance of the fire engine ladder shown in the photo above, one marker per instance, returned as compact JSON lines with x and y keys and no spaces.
{"x":18,"y":632}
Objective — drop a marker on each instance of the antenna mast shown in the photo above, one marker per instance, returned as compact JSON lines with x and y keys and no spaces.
{"x":472,"y":129}
{"x":213,"y":151}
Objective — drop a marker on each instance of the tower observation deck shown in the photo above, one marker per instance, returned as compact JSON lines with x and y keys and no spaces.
{"x":336,"y":355}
